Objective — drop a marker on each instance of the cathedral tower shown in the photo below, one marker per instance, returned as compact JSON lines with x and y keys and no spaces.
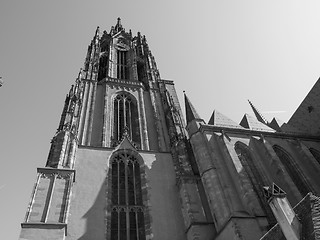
{"x":124,"y":165}
{"x":119,"y":165}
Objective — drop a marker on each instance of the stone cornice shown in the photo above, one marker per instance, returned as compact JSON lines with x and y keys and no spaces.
{"x":112,"y":149}
{"x":244,"y":131}
{"x":171,"y":82}
{"x":122,"y":83}
{"x":44,"y":225}
{"x":58,"y":171}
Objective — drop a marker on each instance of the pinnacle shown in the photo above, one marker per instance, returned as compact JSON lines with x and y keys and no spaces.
{"x":191,"y":112}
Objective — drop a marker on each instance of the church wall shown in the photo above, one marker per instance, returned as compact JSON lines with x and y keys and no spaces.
{"x":42,"y":233}
{"x":296,"y":151}
{"x":88,"y":201}
{"x":222,"y":154}
{"x":165,"y":208}
{"x":86,"y":218}
{"x":238,"y":229}
{"x":268,"y":162}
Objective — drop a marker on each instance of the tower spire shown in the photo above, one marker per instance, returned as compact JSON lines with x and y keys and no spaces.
{"x":118,"y":27}
{"x":258,"y":115}
{"x":191,"y":112}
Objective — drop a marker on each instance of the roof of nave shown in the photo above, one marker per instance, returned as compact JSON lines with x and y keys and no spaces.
{"x":220,"y":120}
{"x":253,"y":124}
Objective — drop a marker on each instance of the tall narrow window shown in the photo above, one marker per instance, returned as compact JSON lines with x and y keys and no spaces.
{"x":127,"y":210}
{"x":126,"y":117}
{"x":122,"y":66}
{"x":103,"y":64}
{"x":293,"y":170}
{"x":255,"y":177}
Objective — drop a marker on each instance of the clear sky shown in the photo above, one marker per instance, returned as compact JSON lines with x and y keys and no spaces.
{"x":220,"y":52}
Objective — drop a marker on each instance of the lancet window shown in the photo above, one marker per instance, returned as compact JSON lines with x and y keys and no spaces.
{"x":126,"y":118}
{"x":127,"y":210}
{"x":103,"y":63}
{"x":256,"y":178}
{"x":293,"y":170}
{"x":122,"y":66}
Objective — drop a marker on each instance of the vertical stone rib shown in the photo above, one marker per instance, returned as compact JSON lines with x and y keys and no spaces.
{"x":48,"y":200}
{"x":68,"y":199}
{"x":32,"y":198}
{"x":143,"y":122}
{"x":83,"y":113}
{"x":87,"y":114}
{"x":91,"y":110}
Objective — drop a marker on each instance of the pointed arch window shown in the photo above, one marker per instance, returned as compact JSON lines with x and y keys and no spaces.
{"x":127,"y":210}
{"x":316,"y":154}
{"x":103,"y":66}
{"x":293,"y":170}
{"x":122,"y":66}
{"x":255,"y":177}
{"x":126,"y":117}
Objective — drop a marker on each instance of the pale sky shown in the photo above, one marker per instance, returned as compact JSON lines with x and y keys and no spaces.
{"x":220,"y":52}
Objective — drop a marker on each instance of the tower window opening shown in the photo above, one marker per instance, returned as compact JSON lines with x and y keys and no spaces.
{"x":122,"y":67}
{"x":127,"y":211}
{"x":126,"y":118}
{"x":102,"y":72}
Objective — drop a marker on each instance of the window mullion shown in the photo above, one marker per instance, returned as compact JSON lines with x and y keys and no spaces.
{"x":130,"y":121}
{"x":118,"y":182}
{"x":118,"y":121}
{"x":127,"y":198}
{"x":135,"y":198}
{"x":124,"y":113}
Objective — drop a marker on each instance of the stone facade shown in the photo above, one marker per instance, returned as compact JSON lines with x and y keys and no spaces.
{"x":124,"y":163}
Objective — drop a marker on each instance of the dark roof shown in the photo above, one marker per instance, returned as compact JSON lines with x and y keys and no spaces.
{"x":308,"y":212}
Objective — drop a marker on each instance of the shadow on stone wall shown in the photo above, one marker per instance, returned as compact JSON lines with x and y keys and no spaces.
{"x":95,"y":217}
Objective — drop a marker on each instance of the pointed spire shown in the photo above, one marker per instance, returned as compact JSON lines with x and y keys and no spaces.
{"x":118,"y":26}
{"x":97,"y":31}
{"x":259,"y":116}
{"x":191,"y":112}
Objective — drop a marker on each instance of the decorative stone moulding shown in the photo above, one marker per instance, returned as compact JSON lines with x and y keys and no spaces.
{"x":59,"y":173}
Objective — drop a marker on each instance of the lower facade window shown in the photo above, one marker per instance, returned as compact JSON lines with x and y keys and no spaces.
{"x":127,"y":210}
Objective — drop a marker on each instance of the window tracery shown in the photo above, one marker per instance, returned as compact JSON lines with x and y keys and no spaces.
{"x":122,"y":66}
{"x":127,"y":209}
{"x":126,"y":118}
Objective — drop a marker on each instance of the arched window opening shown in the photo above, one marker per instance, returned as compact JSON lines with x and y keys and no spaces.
{"x":127,"y":210}
{"x":316,"y":154}
{"x":103,"y":63}
{"x":293,"y":170}
{"x":126,"y":118}
{"x":255,"y":177}
{"x":122,"y":66}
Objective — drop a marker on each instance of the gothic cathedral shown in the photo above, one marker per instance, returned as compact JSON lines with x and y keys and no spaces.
{"x":125,"y":164}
